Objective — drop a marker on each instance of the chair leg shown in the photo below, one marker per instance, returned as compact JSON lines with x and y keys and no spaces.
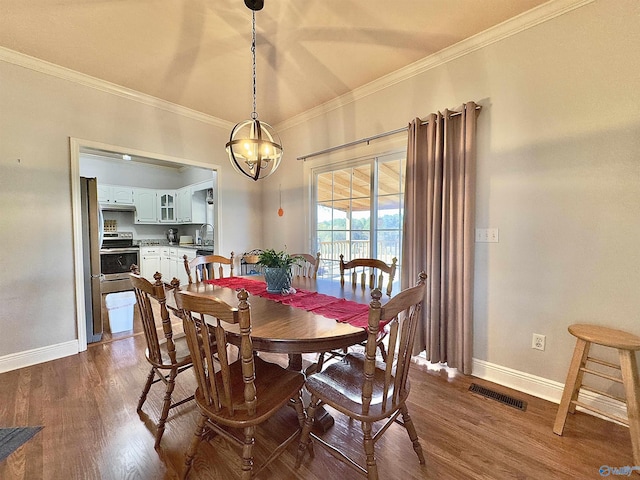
{"x":171,"y":383}
{"x":369,"y":449}
{"x":247,"y":452}
{"x":146,"y":388}
{"x":297,"y":404}
{"x":629,"y":369}
{"x":413,"y":435}
{"x":383,"y":351}
{"x":305,"y":442}
{"x":191,"y":452}
{"x":572,"y":385}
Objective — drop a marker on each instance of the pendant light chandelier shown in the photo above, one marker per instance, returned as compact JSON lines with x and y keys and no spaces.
{"x":254,"y":147}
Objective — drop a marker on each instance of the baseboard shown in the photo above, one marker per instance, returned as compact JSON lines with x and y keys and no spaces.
{"x":544,"y":388}
{"x":27,"y":358}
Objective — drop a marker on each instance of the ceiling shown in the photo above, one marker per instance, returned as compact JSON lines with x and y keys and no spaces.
{"x":196,"y":53}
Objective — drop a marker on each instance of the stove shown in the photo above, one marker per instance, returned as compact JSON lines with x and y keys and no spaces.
{"x":117,"y":255}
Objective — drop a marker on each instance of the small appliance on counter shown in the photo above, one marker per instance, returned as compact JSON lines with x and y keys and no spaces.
{"x":186,"y":240}
{"x":172,"y":236}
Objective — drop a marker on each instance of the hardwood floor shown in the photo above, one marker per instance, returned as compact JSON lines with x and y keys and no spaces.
{"x":87,"y":405}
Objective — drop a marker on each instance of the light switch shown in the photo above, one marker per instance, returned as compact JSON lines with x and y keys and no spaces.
{"x":487,"y":235}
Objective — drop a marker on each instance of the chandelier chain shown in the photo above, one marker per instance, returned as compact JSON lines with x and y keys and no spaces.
{"x":254,"y":115}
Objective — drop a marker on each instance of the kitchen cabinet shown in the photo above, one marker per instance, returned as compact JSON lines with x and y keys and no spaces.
{"x":187,"y":205}
{"x":115,"y":194}
{"x":182,"y":272}
{"x":183,"y":197}
{"x":168,"y":265}
{"x":145,"y":202}
{"x":192,"y":203}
{"x":166,"y":206}
{"x":150,"y":258}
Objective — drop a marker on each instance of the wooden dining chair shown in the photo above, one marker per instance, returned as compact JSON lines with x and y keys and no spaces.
{"x":369,"y":271}
{"x":307,"y":265}
{"x":170,"y":353}
{"x":367,"y":390}
{"x":207,"y":267}
{"x":372,"y":272}
{"x":234,"y":395}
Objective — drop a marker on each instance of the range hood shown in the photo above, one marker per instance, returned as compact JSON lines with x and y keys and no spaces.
{"x":119,"y":207}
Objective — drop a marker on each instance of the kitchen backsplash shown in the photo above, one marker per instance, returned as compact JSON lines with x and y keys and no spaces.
{"x":125,"y":223}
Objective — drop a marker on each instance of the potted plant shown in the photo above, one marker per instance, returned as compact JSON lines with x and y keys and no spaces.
{"x":277,"y":269}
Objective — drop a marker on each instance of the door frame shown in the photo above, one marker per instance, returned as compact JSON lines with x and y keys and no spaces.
{"x":75,"y":145}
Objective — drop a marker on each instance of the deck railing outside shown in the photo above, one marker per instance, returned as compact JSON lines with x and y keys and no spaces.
{"x":330,"y":255}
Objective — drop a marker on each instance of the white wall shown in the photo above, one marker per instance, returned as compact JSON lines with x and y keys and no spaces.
{"x":38,"y":114}
{"x":558,"y":174}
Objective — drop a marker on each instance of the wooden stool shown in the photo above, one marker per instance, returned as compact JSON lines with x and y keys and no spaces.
{"x":627,"y":344}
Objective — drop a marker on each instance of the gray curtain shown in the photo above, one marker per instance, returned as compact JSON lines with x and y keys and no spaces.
{"x":439,"y":226}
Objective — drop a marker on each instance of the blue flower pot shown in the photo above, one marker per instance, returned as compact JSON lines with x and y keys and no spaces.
{"x":278,"y":279}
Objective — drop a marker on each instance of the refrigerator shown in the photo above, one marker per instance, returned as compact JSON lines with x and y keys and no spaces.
{"x":92,"y":234}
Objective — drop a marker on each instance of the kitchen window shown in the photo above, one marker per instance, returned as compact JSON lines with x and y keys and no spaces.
{"x":358,"y":211}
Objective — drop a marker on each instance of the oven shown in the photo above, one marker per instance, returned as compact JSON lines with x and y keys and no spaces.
{"x":116,"y":257}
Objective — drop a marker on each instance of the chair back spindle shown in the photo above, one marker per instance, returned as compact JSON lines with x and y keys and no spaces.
{"x":205,"y":267}
{"x":307,"y":265}
{"x":370,"y":271}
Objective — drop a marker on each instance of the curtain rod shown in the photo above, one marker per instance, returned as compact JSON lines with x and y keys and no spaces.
{"x":368,"y":139}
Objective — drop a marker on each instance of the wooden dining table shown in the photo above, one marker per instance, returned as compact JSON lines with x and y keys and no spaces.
{"x":281,"y":328}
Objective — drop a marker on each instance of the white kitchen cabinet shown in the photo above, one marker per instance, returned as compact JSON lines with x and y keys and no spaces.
{"x":168,"y":263}
{"x":145,"y":202}
{"x":166,"y":206}
{"x":150,"y":262}
{"x":115,"y":194}
{"x":183,"y":197}
{"x":182,"y":272}
{"x":199,"y":201}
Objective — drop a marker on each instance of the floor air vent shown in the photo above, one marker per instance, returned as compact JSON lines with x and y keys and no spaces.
{"x":500,"y":397}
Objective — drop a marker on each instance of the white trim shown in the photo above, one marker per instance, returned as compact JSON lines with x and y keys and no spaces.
{"x":42,"y":66}
{"x":506,"y":29}
{"x":544,"y":388}
{"x":27,"y":358}
{"x":75,"y":144}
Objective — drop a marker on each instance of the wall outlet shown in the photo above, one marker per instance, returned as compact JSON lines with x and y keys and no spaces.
{"x":538,"y":341}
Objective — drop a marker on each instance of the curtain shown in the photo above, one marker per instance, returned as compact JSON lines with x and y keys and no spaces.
{"x":439,"y":225}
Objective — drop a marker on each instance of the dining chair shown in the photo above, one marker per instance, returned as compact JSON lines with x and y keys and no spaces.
{"x":307,"y":265}
{"x":170,"y":353}
{"x":365,"y":389}
{"x":372,"y":272}
{"x":207,"y":267}
{"x":234,"y":395}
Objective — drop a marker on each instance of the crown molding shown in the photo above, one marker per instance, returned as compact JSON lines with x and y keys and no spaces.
{"x":524,"y":21}
{"x":531,"y":18}
{"x":42,"y":66}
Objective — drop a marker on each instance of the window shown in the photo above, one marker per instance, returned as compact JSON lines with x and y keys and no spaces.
{"x":358,"y":211}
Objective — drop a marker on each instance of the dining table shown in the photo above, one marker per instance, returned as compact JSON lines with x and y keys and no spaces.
{"x":277,"y":326}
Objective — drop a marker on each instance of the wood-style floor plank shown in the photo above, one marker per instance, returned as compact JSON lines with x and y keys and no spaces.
{"x":87,"y":405}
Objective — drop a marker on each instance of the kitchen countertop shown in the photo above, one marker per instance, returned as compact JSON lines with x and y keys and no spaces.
{"x":165,"y":243}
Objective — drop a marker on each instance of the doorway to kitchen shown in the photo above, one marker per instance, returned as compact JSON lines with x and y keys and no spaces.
{"x":153,"y":200}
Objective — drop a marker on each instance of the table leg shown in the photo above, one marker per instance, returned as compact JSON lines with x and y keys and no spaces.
{"x":323,"y":420}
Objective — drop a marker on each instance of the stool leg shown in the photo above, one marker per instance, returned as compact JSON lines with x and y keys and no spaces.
{"x":572,"y":385}
{"x":629,"y":369}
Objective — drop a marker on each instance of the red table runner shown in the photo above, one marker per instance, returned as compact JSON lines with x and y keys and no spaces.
{"x":346,"y":311}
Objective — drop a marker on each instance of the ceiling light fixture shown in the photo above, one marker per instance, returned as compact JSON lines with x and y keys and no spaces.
{"x":254,"y":147}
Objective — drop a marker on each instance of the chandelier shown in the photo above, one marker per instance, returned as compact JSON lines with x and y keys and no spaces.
{"x":254,"y":147}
